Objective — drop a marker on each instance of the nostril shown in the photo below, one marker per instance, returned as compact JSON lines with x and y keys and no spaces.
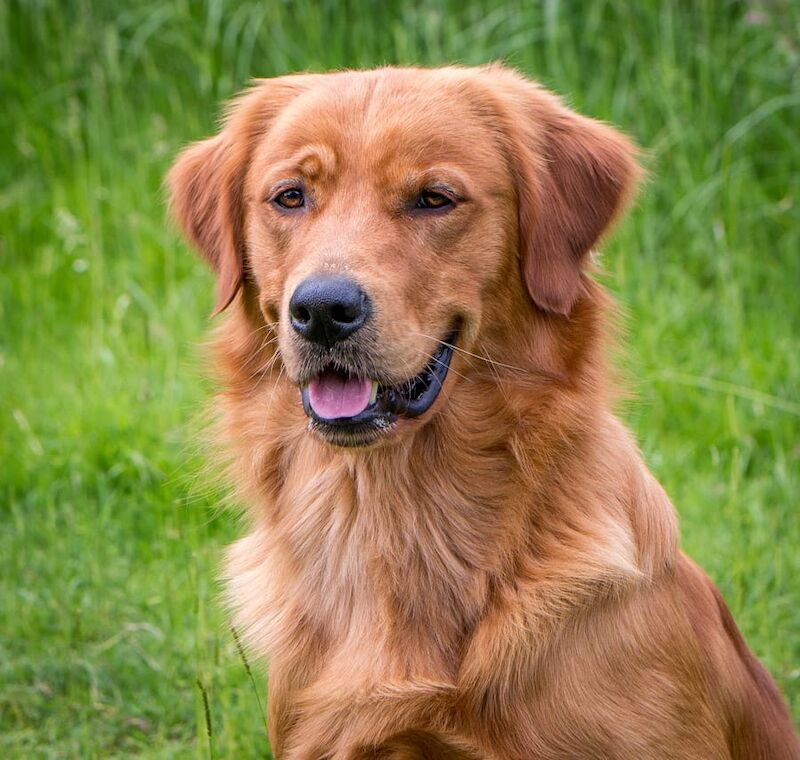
{"x":345,"y":313}
{"x":302,"y":315}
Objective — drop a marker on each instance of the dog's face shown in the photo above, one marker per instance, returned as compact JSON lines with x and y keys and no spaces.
{"x":379,"y":219}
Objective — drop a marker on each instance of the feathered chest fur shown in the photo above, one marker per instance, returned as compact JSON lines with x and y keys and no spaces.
{"x":380,"y":542}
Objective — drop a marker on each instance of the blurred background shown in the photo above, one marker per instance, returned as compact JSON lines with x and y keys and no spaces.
{"x":112,"y":640}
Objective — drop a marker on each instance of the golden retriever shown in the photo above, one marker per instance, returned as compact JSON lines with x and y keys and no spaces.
{"x":454,"y":548}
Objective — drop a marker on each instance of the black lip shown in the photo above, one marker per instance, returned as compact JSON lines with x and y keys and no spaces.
{"x":419,"y":393}
{"x":411,"y":399}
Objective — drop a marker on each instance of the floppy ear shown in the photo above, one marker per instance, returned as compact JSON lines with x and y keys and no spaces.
{"x":574,"y":176}
{"x":206,"y":182}
{"x":205,"y":198}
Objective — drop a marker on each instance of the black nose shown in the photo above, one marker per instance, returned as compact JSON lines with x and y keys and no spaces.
{"x":326,"y":310}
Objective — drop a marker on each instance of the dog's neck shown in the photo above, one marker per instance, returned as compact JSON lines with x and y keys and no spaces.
{"x":438,"y":525}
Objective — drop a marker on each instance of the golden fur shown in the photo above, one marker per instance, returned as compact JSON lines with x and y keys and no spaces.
{"x":501,"y":577}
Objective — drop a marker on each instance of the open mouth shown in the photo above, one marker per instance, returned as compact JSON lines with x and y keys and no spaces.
{"x":352,"y":410}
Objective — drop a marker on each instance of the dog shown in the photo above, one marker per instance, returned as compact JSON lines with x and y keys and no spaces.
{"x":454,"y":549}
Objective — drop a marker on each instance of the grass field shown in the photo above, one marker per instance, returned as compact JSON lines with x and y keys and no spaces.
{"x":112,"y":642}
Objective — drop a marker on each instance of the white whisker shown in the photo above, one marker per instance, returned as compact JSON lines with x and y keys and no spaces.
{"x":469,"y":353}
{"x":446,"y":366}
{"x":263,"y":370}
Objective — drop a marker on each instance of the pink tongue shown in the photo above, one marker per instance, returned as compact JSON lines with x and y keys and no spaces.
{"x":332,"y":396}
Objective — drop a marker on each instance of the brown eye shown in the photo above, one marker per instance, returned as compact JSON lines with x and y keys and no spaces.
{"x":430,"y":199}
{"x":291,"y":198}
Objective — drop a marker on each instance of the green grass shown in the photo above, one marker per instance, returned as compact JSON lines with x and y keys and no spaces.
{"x":110,"y":534}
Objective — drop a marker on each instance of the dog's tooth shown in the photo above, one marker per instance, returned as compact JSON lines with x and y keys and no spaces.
{"x":374,"y":395}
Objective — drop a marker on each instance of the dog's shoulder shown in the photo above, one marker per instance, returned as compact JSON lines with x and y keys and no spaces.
{"x":757,"y":721}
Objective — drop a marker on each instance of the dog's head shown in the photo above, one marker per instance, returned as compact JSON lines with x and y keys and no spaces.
{"x":379,"y":221}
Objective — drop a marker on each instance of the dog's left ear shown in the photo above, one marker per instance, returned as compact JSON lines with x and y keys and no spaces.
{"x":574,"y":176}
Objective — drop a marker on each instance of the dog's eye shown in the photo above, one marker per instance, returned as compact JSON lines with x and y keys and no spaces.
{"x":430,"y":199}
{"x":291,"y":198}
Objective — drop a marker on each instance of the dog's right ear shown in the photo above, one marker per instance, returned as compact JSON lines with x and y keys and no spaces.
{"x":205,"y":199}
{"x":206,"y":182}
